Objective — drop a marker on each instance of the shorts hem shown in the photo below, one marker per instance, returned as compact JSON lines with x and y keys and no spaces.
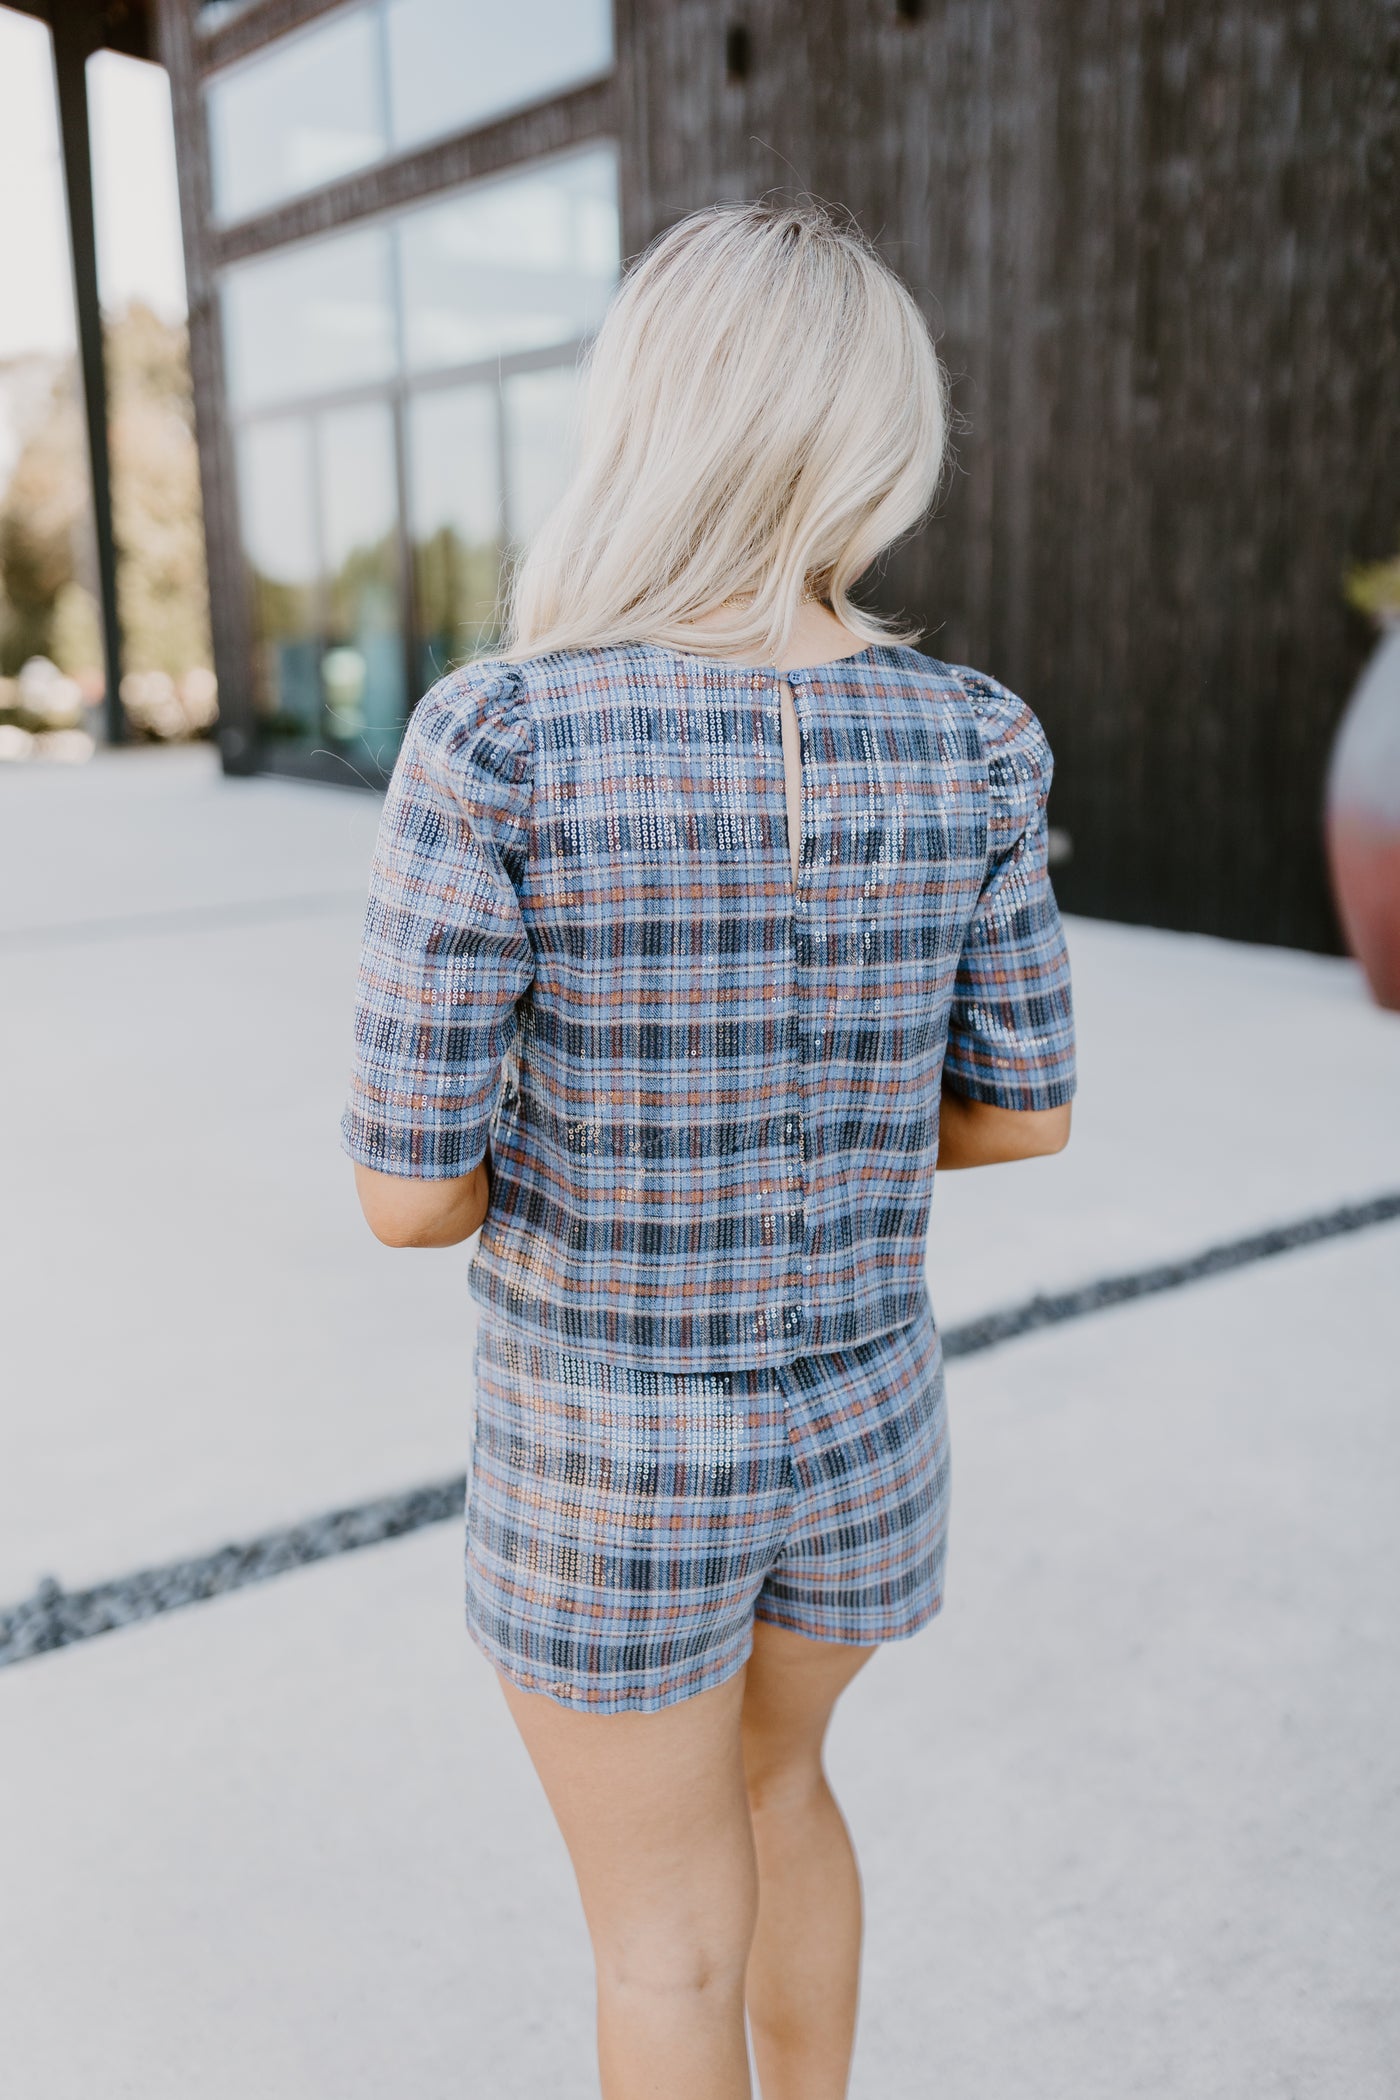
{"x":844,"y":1636}
{"x":637,"y":1698}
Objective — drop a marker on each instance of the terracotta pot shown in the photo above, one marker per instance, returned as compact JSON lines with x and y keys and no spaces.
{"x":1363,"y":820}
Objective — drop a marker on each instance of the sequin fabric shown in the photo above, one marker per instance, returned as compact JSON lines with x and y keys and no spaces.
{"x":711,"y":1094}
{"x":627,"y":1525}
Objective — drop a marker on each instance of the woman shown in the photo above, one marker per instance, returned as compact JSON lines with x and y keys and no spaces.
{"x":702,"y":921}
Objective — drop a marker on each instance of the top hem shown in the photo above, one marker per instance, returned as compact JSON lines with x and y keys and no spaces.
{"x":606,"y":1336}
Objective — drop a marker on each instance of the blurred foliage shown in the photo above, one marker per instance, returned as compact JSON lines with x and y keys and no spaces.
{"x":282,"y":610}
{"x":459,"y":584}
{"x":362,"y":594}
{"x":1374,"y":589}
{"x":76,"y":630}
{"x":45,"y":530}
{"x":47,"y":581}
{"x":162,"y":585}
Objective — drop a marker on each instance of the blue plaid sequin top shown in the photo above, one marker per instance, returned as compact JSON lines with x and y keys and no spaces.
{"x":711,"y":1096}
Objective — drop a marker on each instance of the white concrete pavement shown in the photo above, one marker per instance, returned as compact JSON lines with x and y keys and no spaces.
{"x":202,"y":1339}
{"x":1127,"y":1809}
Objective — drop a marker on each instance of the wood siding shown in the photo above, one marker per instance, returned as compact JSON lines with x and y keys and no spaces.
{"x":1161,"y":246}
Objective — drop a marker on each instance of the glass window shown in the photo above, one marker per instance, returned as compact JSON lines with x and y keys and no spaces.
{"x":362,"y":671}
{"x":278,"y":507}
{"x":517,"y":269}
{"x":310,"y":319}
{"x":455,"y":484}
{"x":517,"y":263}
{"x":455,"y":63}
{"x":540,"y":409}
{"x":299,"y":114}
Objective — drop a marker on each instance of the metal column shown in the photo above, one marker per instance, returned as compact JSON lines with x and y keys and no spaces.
{"x":75,"y":30}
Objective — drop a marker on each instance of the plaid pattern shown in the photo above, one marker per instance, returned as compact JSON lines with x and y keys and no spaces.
{"x":711,"y":1097}
{"x":627,"y":1524}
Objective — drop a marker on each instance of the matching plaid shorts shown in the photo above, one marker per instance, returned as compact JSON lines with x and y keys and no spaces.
{"x":626,"y":1525}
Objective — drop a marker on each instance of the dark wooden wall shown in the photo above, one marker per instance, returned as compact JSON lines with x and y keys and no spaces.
{"x":1161,"y":244}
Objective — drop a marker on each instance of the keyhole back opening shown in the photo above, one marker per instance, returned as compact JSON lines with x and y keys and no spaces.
{"x":792,"y":774}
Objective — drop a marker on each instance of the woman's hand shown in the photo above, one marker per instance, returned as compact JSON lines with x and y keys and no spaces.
{"x":975,"y":1134}
{"x":404,"y":1213}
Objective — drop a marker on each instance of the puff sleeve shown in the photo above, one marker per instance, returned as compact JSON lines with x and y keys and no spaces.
{"x":445,"y":958}
{"x":1011,"y":1032}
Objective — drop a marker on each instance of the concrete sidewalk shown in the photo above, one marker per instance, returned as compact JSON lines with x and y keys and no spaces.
{"x":1127,"y":1810}
{"x":205,"y":1338}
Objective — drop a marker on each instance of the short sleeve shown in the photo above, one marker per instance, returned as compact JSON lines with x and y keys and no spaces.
{"x":445,"y":957}
{"x":1011,"y":1034}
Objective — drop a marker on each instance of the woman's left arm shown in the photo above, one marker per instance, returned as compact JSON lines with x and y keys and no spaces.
{"x":405,"y":1213}
{"x":445,"y":962}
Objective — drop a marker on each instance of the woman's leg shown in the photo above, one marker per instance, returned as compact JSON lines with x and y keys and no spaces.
{"x":804,"y":1971}
{"x":654,"y":1812}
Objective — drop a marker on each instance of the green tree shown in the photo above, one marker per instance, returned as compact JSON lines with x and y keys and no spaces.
{"x":45,"y":514}
{"x":162,"y":584}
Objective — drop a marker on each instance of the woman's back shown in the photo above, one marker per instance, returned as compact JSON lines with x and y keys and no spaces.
{"x":711,"y":1091}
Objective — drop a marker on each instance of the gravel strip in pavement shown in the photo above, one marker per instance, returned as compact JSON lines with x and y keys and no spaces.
{"x":57,"y":1618}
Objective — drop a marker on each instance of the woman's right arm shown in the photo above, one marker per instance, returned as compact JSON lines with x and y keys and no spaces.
{"x":978,"y":1134}
{"x":1009,"y":1065}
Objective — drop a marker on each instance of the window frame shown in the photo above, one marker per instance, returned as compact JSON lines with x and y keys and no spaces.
{"x":248,"y":55}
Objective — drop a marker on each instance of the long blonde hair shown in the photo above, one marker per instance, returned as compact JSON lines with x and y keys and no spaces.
{"x":763,"y":414}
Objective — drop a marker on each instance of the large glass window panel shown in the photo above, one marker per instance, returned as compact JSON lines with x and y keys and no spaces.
{"x":310,"y":319}
{"x":455,"y":63}
{"x":518,"y":263}
{"x":277,"y":504}
{"x":301,"y":113}
{"x":455,"y":499}
{"x":539,"y":409}
{"x":362,"y":671}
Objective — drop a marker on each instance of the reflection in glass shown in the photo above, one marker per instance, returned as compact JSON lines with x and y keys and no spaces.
{"x":300,"y":114}
{"x":279,"y":540}
{"x":454,"y":476}
{"x":455,"y":63}
{"x":517,"y":263}
{"x":310,"y":319}
{"x":518,"y":268}
{"x":540,"y":409}
{"x":362,"y":673}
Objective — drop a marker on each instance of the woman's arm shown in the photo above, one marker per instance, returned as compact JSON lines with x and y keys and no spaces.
{"x":404,"y":1213}
{"x":975,"y":1134}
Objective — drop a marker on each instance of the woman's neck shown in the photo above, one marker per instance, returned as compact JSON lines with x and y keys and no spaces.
{"x":817,"y":637}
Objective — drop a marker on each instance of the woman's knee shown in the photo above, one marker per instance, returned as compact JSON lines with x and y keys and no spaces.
{"x":783,"y":1770}
{"x":677,"y":1956}
{"x":781,"y":1781}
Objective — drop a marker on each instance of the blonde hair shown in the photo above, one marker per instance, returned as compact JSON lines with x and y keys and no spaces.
{"x":763,"y":415}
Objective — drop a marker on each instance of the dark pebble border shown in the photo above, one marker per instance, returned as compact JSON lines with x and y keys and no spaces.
{"x":57,"y":1618}
{"x":997,"y":1327}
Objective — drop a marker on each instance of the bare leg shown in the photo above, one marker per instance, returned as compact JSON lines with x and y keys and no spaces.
{"x":653,"y":1810}
{"x":804,"y":1971}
